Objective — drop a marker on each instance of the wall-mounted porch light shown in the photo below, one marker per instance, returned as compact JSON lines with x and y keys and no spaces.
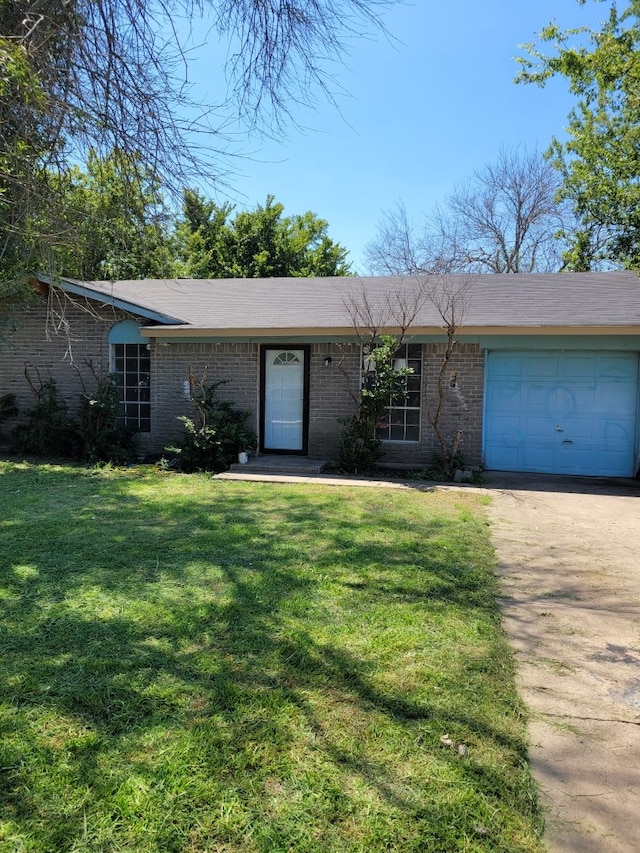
{"x":328,"y":361}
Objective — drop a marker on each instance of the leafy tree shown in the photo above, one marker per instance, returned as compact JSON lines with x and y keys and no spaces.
{"x":600,"y":161}
{"x":505,"y":219}
{"x":111,"y":223}
{"x":255,"y":244}
{"x":109,"y":75}
{"x":382,"y":384}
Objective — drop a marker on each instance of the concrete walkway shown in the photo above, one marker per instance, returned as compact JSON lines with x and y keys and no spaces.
{"x":569,"y":563}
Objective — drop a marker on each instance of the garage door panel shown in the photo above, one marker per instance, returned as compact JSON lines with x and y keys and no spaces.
{"x":537,"y":459}
{"x":505,"y":397}
{"x":509,"y":367}
{"x":576,"y":428}
{"x":539,"y":366}
{"x":568,"y":413}
{"x":618,"y":396}
{"x":617,"y":366}
{"x":573,"y":366}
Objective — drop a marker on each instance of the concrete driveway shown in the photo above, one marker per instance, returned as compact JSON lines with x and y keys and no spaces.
{"x":569,"y":561}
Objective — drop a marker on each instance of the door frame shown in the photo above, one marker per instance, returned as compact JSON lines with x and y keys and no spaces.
{"x":306,"y":349}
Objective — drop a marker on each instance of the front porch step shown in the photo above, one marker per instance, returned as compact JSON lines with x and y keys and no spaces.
{"x":293,"y":465}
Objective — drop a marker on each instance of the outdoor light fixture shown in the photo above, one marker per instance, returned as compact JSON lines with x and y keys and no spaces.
{"x":327,"y":361}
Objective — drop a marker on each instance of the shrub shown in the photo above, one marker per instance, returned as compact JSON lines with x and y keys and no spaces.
{"x":96,"y":436}
{"x":214,"y":435}
{"x":103,"y":436}
{"x":8,"y":408}
{"x":48,"y":430}
{"x":382,"y":384}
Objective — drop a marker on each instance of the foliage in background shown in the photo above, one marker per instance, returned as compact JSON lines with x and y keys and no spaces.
{"x":112,"y":222}
{"x":260,"y":243}
{"x":600,"y":162}
{"x":198,"y":665}
{"x":215,"y":433}
{"x":382,"y":386}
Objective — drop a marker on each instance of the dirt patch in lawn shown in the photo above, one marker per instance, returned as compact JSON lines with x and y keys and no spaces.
{"x":569,"y":561}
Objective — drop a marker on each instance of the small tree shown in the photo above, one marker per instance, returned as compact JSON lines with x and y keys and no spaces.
{"x":215,"y":433}
{"x":380,"y":384}
{"x":450,"y":303}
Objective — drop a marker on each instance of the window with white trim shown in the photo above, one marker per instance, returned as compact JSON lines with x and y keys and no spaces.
{"x":131,"y":369}
{"x":403,"y":414}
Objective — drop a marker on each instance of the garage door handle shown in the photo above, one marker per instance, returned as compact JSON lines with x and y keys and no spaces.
{"x":567,"y":441}
{"x":559,"y":428}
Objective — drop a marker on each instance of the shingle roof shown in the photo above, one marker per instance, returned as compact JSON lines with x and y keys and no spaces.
{"x":596,"y":299}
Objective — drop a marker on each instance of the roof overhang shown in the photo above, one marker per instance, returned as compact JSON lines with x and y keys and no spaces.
{"x":78,"y":288}
{"x":183,"y":332}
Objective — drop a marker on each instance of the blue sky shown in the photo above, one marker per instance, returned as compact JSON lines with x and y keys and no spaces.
{"x":422,"y":113}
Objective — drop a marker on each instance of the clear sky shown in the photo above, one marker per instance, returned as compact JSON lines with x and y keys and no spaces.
{"x":422,"y":113}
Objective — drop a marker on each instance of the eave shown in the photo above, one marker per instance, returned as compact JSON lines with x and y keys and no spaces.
{"x":78,"y":289}
{"x":183,"y":332}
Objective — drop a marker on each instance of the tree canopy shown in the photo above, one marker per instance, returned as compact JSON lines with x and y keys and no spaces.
{"x":255,"y":243}
{"x":111,"y":75}
{"x":599,"y":163}
{"x":111,"y":222}
{"x":504,"y":219}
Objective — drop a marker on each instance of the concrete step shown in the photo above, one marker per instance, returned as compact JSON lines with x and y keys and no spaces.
{"x":294,"y":465}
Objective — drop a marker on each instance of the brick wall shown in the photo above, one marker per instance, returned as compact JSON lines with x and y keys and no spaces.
{"x":463,"y":404}
{"x":65,"y":340}
{"x":330,"y":396}
{"x":68,"y":340}
{"x":235,"y":363}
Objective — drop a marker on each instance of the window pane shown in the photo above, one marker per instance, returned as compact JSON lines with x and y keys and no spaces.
{"x":413,"y":433}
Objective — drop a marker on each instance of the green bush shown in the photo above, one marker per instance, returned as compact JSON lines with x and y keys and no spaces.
{"x":214,"y":435}
{"x":103,"y":436}
{"x":48,"y":429}
{"x":8,"y":408}
{"x":96,"y":436}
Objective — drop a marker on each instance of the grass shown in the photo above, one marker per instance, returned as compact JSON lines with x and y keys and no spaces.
{"x":198,"y":665}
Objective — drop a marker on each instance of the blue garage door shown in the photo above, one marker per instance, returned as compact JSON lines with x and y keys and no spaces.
{"x":561,"y":412}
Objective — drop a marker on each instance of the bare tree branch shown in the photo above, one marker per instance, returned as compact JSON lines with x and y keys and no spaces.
{"x":505,"y":219}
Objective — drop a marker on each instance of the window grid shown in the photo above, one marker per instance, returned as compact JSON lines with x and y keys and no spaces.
{"x":132,"y":371}
{"x":403,"y":415}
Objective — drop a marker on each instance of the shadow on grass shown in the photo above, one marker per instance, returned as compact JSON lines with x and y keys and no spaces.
{"x":179,"y":636}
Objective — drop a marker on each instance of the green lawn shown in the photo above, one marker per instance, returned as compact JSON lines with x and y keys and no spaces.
{"x":197,"y":665}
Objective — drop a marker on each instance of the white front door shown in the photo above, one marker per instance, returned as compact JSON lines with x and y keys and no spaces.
{"x":284,"y":374}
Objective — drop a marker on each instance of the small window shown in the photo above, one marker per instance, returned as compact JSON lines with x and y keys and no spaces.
{"x":403,"y":414}
{"x":285,"y":358}
{"x":132,"y":373}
